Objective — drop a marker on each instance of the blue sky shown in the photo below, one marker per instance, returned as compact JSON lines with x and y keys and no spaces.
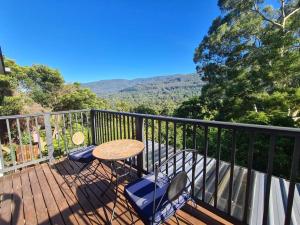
{"x":106,"y":39}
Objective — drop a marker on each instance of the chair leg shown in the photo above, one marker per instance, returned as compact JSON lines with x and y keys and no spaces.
{"x":109,"y":185}
{"x":129,"y":211}
{"x":115,"y":203}
{"x":194,"y":203}
{"x":176,"y":218}
{"x":77,"y":177}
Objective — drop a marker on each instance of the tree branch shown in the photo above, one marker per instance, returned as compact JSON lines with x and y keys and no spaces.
{"x":292,"y":13}
{"x":256,"y":9}
{"x":282,"y":8}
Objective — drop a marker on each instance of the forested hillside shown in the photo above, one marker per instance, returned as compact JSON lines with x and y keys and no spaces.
{"x":163,"y":93}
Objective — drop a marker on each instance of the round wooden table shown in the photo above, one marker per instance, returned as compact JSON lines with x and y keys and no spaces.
{"x":118,"y":150}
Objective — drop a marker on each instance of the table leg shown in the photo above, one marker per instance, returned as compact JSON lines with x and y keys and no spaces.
{"x":116,"y":198}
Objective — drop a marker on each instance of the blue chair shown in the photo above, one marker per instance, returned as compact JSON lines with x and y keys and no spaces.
{"x":82,"y":155}
{"x":157,"y":196}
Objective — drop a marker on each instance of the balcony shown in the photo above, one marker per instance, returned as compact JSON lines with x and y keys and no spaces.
{"x":228,"y":185}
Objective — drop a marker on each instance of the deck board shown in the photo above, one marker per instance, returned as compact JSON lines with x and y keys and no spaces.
{"x":62,"y":204}
{"x":17,"y":207}
{"x":42,"y":194}
{"x":29,"y":207}
{"x":40,"y":206}
{"x":6,"y":200}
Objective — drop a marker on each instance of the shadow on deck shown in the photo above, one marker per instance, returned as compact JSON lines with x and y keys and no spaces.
{"x":42,"y":195}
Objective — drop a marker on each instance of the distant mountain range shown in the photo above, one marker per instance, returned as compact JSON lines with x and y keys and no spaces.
{"x":176,"y":87}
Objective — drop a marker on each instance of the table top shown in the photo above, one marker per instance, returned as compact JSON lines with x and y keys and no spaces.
{"x":118,"y":149}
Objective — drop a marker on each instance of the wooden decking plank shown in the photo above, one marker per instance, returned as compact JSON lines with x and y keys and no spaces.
{"x":29,"y":209}
{"x":97,"y":186}
{"x":39,"y":202}
{"x":100,"y":209}
{"x":5,"y":210}
{"x":17,"y":206}
{"x":52,"y":208}
{"x":86,"y":203}
{"x":61,"y":202}
{"x":78,"y":210}
{"x":122,"y":212}
{"x":41,"y":194}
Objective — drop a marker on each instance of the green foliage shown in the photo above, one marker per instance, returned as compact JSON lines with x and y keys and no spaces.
{"x":44,"y":83}
{"x":144,"y":110}
{"x":162,"y":94}
{"x":79,"y":99}
{"x":40,"y":87}
{"x":250,"y":59}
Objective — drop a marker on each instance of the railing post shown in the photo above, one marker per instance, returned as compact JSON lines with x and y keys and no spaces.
{"x":92,"y":119}
{"x":139,"y":128}
{"x":48,"y":129}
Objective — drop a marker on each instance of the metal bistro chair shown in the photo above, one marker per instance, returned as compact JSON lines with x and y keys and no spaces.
{"x":82,"y":155}
{"x":157,"y":196}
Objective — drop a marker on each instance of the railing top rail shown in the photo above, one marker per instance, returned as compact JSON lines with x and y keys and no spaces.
{"x":42,"y":114}
{"x":285,"y":131}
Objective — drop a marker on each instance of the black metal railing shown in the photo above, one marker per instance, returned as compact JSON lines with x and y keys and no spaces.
{"x":245,"y":149}
{"x":238,"y":167}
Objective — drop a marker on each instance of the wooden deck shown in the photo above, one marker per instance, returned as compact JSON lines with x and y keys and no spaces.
{"x":42,"y":195}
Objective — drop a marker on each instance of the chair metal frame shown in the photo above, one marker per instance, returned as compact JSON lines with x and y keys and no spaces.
{"x":158,"y":170}
{"x":78,"y":172}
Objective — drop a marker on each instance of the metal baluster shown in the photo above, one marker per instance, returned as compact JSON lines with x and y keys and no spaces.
{"x":102,"y":126}
{"x":71,"y":128}
{"x":82,"y":124}
{"x":12,"y":151}
{"x":120,"y":124}
{"x":117,"y":127}
{"x":65,"y":134}
{"x":30,"y":141}
{"x":128,"y":127}
{"x":269,"y":178}
{"x":38,"y":136}
{"x":193,"y":172}
{"x":249,"y":173}
{"x":76,"y":122}
{"x":147,"y":147}
{"x":167,"y":146}
{"x":58,"y":134}
{"x":184,"y":145}
{"x":217,"y":167}
{"x":159,"y":142}
{"x":152,"y":136}
{"x":106,"y":127}
{"x":94,"y":127}
{"x":293,"y":177}
{"x":88,"y":125}
{"x":205,"y":161}
{"x":20,"y":139}
{"x":132,"y":128}
{"x":175,"y":137}
{"x":124,"y":126}
{"x":111,"y":126}
{"x":232,"y":163}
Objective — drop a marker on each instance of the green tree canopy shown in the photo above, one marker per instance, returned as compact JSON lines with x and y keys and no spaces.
{"x":44,"y":82}
{"x":250,"y":59}
{"x":79,"y":98}
{"x":144,"y":110}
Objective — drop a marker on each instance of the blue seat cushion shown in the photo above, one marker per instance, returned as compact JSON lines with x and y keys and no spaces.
{"x":140,"y":194}
{"x":83,"y":155}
